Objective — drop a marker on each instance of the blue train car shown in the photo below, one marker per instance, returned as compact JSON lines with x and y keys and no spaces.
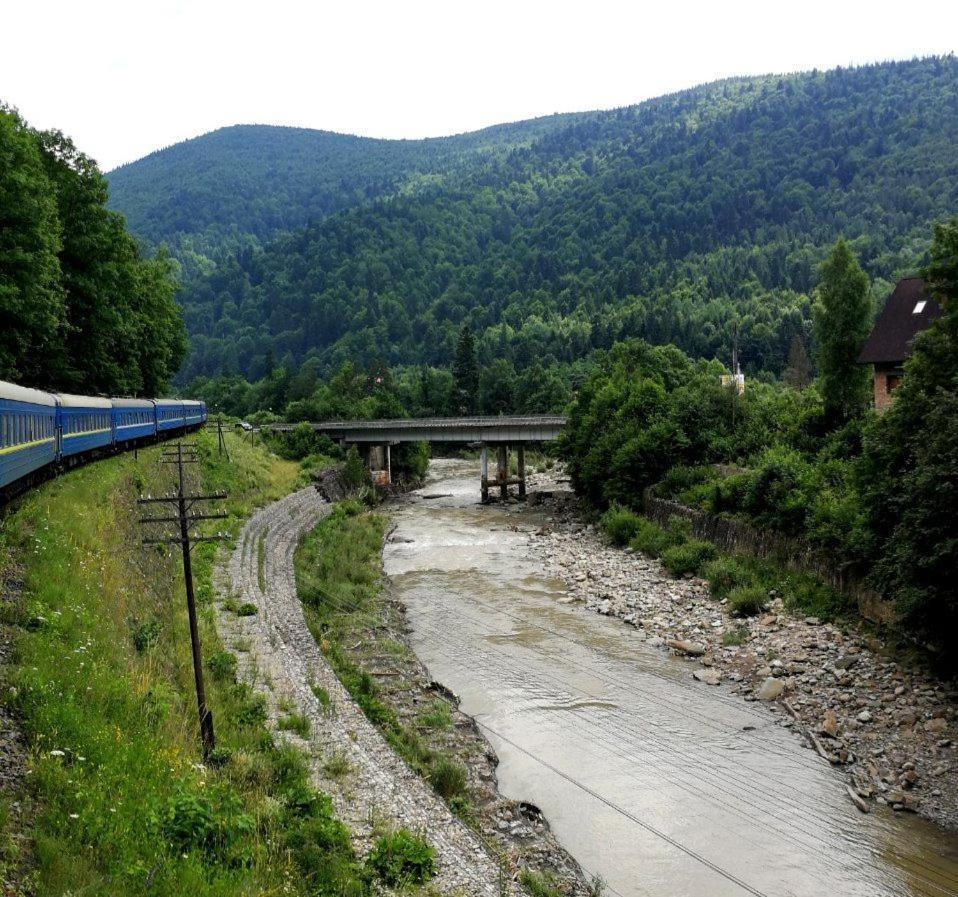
{"x":28,"y":431}
{"x":84,"y":424}
{"x":170,"y":414}
{"x":195,"y":413}
{"x":133,"y":419}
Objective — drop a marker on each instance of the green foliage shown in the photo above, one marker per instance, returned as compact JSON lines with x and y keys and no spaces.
{"x":402,"y":858}
{"x":651,"y":539}
{"x":81,"y":309}
{"x":685,"y":219}
{"x":247,"y":609}
{"x":843,"y":317}
{"x":621,"y":524}
{"x":132,"y":793}
{"x":465,"y":372}
{"x":724,"y":573}
{"x":909,"y":472}
{"x":295,"y":722}
{"x":747,"y":600}
{"x":448,"y":778}
{"x":539,"y":884}
{"x":222,"y":665}
{"x":688,"y":557}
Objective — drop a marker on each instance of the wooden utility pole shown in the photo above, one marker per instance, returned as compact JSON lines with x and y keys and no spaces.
{"x":180,"y":455}
{"x":220,"y":438}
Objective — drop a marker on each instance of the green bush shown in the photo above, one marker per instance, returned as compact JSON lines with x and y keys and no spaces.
{"x":688,"y":557}
{"x":449,"y":778}
{"x":402,"y":858}
{"x":651,"y":539}
{"x":724,"y":574}
{"x":145,"y":634}
{"x":746,"y":601}
{"x":247,"y":609}
{"x":621,"y":524}
{"x":222,"y":666}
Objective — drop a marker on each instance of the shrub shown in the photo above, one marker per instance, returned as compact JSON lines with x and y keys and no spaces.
{"x":688,"y":557}
{"x":336,"y":766}
{"x":222,"y":666}
{"x":537,"y":884}
{"x":448,"y":778}
{"x":145,"y":634}
{"x":621,"y":524}
{"x":402,"y":858}
{"x":247,"y":609}
{"x":746,"y":601}
{"x":724,"y":574}
{"x":651,"y":539}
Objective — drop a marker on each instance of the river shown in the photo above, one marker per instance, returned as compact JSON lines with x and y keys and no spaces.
{"x":658,"y":784}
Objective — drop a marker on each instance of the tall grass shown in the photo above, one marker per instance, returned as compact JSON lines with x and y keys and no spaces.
{"x":122,"y":804}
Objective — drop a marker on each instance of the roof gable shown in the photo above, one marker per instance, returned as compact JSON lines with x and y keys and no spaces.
{"x":908,"y":312}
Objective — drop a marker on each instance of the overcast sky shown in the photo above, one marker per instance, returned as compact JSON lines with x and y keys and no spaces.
{"x":125,"y":77}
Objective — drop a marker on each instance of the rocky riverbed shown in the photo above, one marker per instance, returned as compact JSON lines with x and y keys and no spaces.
{"x":891,"y":727}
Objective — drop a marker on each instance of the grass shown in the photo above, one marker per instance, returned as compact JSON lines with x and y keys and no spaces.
{"x":337,"y":765}
{"x":101,"y":678}
{"x":339,"y":580}
{"x":295,"y":722}
{"x":538,"y":884}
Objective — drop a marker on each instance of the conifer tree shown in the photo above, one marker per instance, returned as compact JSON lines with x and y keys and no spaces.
{"x":842,"y":317}
{"x":799,"y":371}
{"x":466,"y":373}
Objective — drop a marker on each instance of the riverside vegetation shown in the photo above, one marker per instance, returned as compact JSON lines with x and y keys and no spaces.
{"x":117,"y":797}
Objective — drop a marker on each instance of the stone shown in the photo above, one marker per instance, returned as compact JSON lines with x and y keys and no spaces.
{"x":864,"y":717}
{"x":708,"y":675}
{"x":770,"y":689}
{"x":936,"y":725}
{"x":829,"y":724}
{"x":692,"y":649}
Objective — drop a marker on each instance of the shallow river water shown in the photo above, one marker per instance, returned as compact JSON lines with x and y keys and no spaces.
{"x":659,"y":784}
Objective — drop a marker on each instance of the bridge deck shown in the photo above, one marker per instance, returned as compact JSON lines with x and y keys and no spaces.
{"x":532,"y":428}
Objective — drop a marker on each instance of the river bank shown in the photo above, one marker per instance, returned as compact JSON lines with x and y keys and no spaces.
{"x":649,"y":777}
{"x":891,"y":728}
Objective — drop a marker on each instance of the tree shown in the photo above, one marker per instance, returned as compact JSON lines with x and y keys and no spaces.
{"x":466,"y":373}
{"x":32,"y":308}
{"x":842,"y":317}
{"x":799,"y":371}
{"x":497,"y":388}
{"x":909,"y":470}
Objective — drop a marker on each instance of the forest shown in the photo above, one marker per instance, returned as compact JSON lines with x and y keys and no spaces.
{"x":698,"y":219}
{"x":82,"y":308}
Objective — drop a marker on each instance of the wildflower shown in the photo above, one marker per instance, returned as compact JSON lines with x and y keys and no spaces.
{"x":57,"y":754}
{"x":74,"y":815}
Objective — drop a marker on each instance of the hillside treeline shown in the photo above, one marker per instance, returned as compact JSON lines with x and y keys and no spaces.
{"x":698,"y":219}
{"x":81,"y":309}
{"x":875,"y":493}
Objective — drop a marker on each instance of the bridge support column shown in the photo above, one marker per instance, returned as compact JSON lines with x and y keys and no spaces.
{"x":502,"y":470}
{"x":521,"y":455}
{"x":484,"y":473}
{"x":378,"y":462}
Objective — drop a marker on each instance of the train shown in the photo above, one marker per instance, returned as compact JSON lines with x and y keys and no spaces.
{"x":43,"y":433}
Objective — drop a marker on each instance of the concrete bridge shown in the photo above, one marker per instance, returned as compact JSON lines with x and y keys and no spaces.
{"x":374,"y":438}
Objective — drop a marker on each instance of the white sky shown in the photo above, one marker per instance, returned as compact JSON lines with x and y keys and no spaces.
{"x":124,"y":77}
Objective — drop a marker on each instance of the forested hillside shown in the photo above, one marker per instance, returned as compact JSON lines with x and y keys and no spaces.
{"x":687,"y":219}
{"x":241,"y":185}
{"x":81,"y":309}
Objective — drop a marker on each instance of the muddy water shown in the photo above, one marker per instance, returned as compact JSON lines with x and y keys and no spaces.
{"x":661,"y":785}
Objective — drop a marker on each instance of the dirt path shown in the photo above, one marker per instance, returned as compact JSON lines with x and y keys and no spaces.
{"x":277,"y":655}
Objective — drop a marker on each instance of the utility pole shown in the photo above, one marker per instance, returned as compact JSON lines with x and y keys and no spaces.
{"x":180,"y":455}
{"x":220,"y":438}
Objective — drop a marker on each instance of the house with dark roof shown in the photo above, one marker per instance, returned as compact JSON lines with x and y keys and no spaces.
{"x":908,"y":312}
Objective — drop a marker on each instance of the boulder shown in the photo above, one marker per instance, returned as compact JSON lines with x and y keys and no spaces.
{"x":708,"y":675}
{"x":692,"y":649}
{"x":770,"y":689}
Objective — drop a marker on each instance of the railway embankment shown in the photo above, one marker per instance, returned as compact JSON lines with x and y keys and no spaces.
{"x":113,"y":795}
{"x":888,"y":724}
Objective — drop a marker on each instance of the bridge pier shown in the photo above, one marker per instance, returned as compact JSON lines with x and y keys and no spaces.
{"x":378,"y":459}
{"x":502,"y":478}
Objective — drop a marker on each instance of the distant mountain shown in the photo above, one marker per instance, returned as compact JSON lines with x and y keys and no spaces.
{"x":260,"y":180}
{"x":696,"y":218}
